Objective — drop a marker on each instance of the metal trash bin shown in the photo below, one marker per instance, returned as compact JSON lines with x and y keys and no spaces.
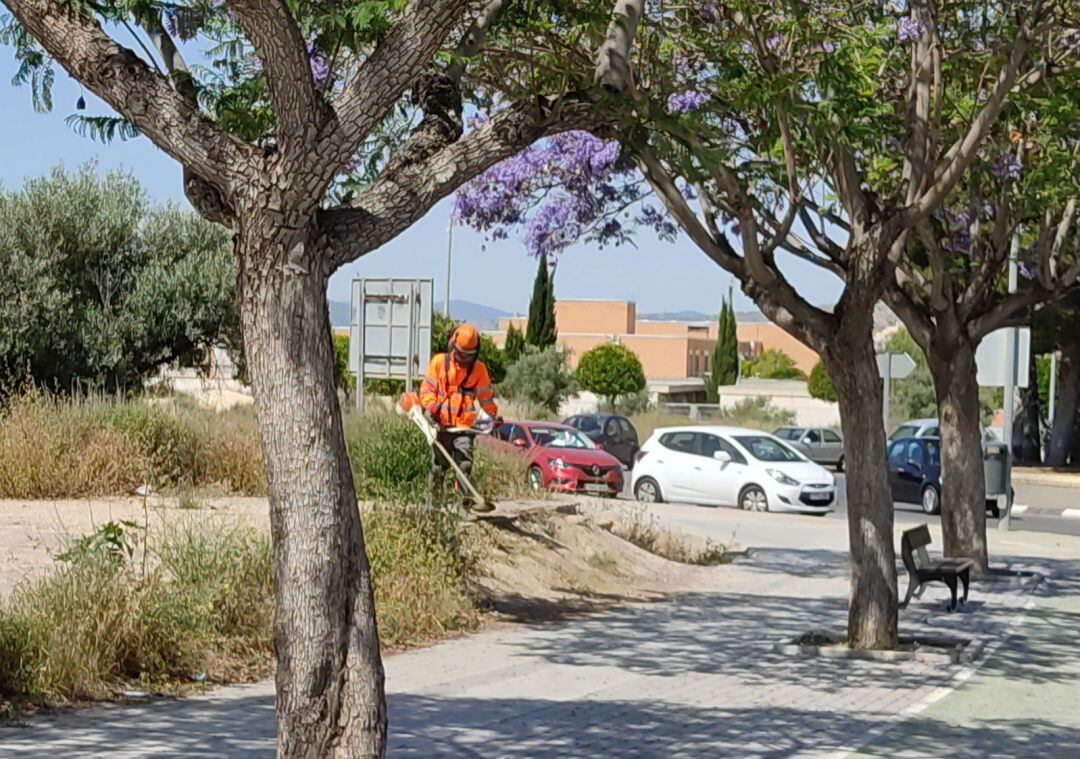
{"x":996,"y":469}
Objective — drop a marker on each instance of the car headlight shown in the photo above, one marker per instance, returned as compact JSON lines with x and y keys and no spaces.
{"x":556,"y":463}
{"x":782,"y":478}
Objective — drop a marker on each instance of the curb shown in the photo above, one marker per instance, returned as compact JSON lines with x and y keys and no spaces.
{"x":926,"y":650}
{"x":1020,"y":509}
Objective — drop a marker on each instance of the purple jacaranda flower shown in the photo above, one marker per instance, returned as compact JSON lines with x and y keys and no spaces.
{"x":320,"y":67}
{"x":828,"y":47}
{"x":1007,"y":167}
{"x":1028,"y":271}
{"x":686,"y":102}
{"x":772,"y":42}
{"x":909,"y":29}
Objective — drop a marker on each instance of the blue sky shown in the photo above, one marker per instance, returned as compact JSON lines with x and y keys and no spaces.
{"x":658,"y":276}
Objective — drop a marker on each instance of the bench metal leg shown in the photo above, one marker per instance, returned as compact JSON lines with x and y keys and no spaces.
{"x":950,"y":580}
{"x":965,"y":580}
{"x":912,"y":586}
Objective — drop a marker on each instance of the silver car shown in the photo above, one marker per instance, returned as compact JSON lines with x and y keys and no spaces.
{"x":819,"y":444}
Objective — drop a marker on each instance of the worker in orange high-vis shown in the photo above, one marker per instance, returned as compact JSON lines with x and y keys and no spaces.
{"x":456,"y":386}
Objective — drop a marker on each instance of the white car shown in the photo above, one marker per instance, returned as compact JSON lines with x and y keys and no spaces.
{"x":730,"y":466}
{"x":929,"y":428}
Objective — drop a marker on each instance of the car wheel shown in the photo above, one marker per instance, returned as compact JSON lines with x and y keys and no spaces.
{"x":931,"y":500}
{"x":753,"y":498}
{"x":992,"y":507}
{"x":536,"y":478}
{"x":647,"y":490}
{"x":840,"y":464}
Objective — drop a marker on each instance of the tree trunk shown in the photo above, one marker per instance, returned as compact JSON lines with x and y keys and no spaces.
{"x":330,"y":697}
{"x":963,"y":487}
{"x":849,"y":360}
{"x":1057,"y":450}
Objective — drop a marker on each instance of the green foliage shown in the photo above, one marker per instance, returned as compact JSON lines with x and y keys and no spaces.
{"x":98,"y":289}
{"x":542,"y":377}
{"x":912,"y":397}
{"x":724,"y":368}
{"x":343,"y":378}
{"x":610,"y":370}
{"x":632,"y":403}
{"x":540,"y":330}
{"x":110,"y":541}
{"x":772,"y":363}
{"x":443,"y":327}
{"x":514,"y":346}
{"x":819,"y":385}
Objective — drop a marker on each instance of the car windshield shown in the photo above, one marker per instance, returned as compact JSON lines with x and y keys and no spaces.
{"x":767,"y":449}
{"x":905,"y":430}
{"x":787,"y":433}
{"x":557,"y":437}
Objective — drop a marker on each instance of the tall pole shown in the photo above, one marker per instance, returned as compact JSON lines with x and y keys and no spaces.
{"x":887,"y":389}
{"x":1053,"y":386}
{"x":449,"y":253}
{"x":1010,"y":387}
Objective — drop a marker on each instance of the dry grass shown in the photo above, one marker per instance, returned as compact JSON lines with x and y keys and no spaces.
{"x":54,"y":447}
{"x":644,"y":529}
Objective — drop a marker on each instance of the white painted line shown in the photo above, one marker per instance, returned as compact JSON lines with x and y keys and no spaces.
{"x":1071,"y":513}
{"x":1019,"y":508}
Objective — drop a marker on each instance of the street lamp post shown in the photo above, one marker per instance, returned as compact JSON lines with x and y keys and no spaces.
{"x":449,"y":253}
{"x":1010,"y":388}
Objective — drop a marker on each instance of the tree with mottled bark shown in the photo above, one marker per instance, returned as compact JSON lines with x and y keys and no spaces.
{"x":768,"y":132}
{"x":319,"y":132}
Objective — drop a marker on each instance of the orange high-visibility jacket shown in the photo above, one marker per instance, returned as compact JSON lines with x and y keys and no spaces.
{"x":451,"y":392}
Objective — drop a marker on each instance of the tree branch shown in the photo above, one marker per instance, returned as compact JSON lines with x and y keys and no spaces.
{"x":613,"y":61}
{"x":135,"y":90}
{"x":279,"y":45}
{"x":473,"y":39}
{"x":393,"y":67}
{"x":964,"y":151}
{"x":424,"y":172}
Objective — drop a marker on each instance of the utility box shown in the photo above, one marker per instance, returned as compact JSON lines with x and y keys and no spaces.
{"x":996,"y":469}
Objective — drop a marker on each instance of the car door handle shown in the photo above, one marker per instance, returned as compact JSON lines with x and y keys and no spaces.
{"x":697,"y":469}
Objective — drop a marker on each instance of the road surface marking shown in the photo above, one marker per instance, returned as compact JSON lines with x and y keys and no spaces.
{"x":1019,"y":508}
{"x":1071,"y":513}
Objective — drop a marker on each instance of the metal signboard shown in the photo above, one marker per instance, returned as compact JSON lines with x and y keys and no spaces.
{"x":992,"y":359}
{"x":895,"y":365}
{"x":390,"y":331}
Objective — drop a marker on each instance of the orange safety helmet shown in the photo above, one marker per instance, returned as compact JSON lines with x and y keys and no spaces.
{"x":465,"y":344}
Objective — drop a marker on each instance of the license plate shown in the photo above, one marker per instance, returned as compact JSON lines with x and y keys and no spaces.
{"x":596,"y":487}
{"x":819,"y":496}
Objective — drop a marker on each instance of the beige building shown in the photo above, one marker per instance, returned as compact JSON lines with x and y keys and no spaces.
{"x":667,"y":349}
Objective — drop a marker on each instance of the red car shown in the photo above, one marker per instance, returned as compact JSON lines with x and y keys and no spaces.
{"x":561,"y":458}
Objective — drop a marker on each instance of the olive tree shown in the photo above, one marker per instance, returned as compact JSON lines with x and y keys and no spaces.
{"x":319,"y":132}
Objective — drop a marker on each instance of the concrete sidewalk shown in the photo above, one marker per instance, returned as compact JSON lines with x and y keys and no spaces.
{"x":694,"y":675}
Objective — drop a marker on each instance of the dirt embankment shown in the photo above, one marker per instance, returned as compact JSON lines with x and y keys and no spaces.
{"x":535,"y":561}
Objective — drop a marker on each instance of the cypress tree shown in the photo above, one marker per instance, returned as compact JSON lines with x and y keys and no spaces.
{"x":540,"y":329}
{"x":725,"y":359}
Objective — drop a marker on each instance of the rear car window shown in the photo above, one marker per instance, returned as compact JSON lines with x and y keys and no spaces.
{"x":904,"y":430}
{"x":587,"y":423}
{"x":683,"y":442}
{"x":830,"y":436}
{"x":767,"y":449}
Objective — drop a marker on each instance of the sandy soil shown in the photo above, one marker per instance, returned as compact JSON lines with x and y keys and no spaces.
{"x":538,"y":559}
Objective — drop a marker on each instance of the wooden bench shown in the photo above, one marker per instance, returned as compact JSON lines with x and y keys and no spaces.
{"x":922,"y":569}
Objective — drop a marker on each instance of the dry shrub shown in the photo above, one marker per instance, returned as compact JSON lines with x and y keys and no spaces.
{"x":644,"y":529}
{"x":102,"y":618}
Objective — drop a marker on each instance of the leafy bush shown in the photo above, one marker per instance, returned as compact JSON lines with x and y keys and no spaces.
{"x":98,"y":288}
{"x":514,"y":345}
{"x":819,"y":385}
{"x":633,"y":403}
{"x":772,"y":363}
{"x":540,"y":377}
{"x":343,"y":378}
{"x":610,"y":370}
{"x":757,"y":413}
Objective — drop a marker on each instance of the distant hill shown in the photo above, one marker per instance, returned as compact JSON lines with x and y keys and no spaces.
{"x":477,"y":314}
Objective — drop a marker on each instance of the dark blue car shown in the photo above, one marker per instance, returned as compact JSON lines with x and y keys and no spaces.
{"x":915,"y":472}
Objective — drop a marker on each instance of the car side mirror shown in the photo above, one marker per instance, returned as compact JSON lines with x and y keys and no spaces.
{"x":722,"y":456}
{"x":806,"y":441}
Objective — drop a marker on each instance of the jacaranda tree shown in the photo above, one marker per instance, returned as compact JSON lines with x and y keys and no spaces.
{"x":317,"y":131}
{"x":795,"y":129}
